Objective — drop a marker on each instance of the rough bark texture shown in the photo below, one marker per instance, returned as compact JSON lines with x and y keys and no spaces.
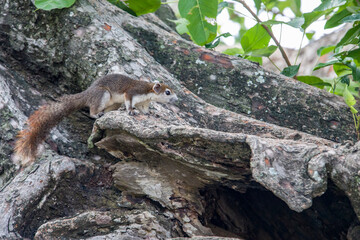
{"x":235,"y":84}
{"x":244,"y":153}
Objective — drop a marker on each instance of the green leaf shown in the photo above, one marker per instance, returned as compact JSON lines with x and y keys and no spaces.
{"x":213,"y":44}
{"x":324,"y":8}
{"x":325,"y":50}
{"x":139,"y":7}
{"x":309,"y":35}
{"x":53,"y":4}
{"x":272,"y":22}
{"x":269,"y":4}
{"x":348,"y":97}
{"x":349,"y":37}
{"x":255,"y":59}
{"x":296,"y":22}
{"x":121,"y":5}
{"x":295,"y":6}
{"x":355,"y":54}
{"x":281,"y":5}
{"x":291,"y":71}
{"x":225,"y":35}
{"x":335,"y":20}
{"x":264,"y":52}
{"x":310,"y":17}
{"x":341,"y":69}
{"x":216,"y":41}
{"x":353,"y":9}
{"x":313,"y":81}
{"x":201,"y":15}
{"x":222,"y":6}
{"x":354,"y":68}
{"x":255,"y":38}
{"x":233,"y":51}
{"x":353,"y":110}
{"x":353,"y":88}
{"x":352,"y":18}
{"x":181,"y":25}
{"x":329,"y":4}
{"x":257,"y":5}
{"x":338,"y":49}
{"x":345,"y":80}
{"x":328,"y":63}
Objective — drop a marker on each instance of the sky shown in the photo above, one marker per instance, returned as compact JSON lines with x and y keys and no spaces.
{"x":290,"y":37}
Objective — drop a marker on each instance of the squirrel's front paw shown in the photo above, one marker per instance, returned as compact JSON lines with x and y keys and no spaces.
{"x":100,"y":114}
{"x":132,"y":113}
{"x":96,"y":116}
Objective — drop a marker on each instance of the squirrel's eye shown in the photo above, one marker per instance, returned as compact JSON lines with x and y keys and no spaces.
{"x":167,"y":92}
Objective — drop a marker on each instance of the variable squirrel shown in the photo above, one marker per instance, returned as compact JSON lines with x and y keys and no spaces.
{"x":105,"y":94}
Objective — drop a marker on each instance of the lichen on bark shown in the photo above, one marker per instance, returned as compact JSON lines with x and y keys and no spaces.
{"x":238,"y":134}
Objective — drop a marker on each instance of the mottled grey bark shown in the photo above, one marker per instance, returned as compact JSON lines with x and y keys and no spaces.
{"x":165,"y":165}
{"x":243,"y":87}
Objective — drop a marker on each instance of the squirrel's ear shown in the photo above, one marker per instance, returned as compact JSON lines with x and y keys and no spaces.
{"x":157,"y":87}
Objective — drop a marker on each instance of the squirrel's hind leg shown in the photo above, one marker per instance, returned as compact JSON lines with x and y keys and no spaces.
{"x":98,"y":106}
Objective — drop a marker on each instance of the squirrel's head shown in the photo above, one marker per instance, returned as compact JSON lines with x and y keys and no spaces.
{"x":164,"y":93}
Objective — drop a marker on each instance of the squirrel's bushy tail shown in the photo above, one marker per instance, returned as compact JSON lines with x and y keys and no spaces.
{"x":40,"y":124}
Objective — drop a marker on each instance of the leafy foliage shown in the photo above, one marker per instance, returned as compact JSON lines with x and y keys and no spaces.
{"x":201,"y":15}
{"x":314,"y":81}
{"x":216,"y":41}
{"x":121,"y":5}
{"x":136,"y":7}
{"x":53,"y":4}
{"x":291,"y":71}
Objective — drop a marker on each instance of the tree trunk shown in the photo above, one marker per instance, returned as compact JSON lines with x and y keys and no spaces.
{"x":217,"y":163}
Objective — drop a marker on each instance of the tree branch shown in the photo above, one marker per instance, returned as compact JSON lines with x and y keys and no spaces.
{"x":268,"y":31}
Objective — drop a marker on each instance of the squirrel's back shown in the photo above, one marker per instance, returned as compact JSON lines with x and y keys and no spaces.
{"x":121,"y":83}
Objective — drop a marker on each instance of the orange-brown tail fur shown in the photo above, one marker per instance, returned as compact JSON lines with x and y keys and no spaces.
{"x":40,"y":124}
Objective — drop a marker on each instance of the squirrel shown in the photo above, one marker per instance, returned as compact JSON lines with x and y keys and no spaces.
{"x":104,"y":94}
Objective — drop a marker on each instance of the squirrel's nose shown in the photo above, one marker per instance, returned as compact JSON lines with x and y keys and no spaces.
{"x":174,"y":99}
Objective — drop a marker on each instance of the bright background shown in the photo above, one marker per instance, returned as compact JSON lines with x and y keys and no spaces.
{"x":290,"y":37}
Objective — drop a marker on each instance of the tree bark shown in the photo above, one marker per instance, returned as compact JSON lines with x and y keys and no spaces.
{"x":237,"y":131}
